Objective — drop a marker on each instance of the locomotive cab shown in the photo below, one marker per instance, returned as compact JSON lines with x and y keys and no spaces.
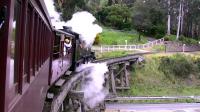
{"x":62,"y":53}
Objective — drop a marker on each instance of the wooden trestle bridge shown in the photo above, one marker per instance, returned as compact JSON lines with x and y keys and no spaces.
{"x":65,"y":95}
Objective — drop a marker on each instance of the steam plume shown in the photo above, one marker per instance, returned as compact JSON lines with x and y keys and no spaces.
{"x":94,"y":91}
{"x":83,"y":24}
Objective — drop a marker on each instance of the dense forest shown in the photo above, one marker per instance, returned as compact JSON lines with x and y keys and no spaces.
{"x":155,"y":18}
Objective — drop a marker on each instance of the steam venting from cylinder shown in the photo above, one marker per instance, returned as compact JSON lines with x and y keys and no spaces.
{"x":92,"y":85}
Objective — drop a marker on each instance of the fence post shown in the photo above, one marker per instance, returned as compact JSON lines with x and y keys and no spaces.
{"x":183,"y":48}
{"x":126,"y":45}
{"x":101,"y":49}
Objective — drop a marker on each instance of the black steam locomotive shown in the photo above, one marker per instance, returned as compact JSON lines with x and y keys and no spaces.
{"x":71,"y":56}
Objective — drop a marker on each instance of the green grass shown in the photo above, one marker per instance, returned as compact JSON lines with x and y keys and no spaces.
{"x":157,"y":48}
{"x":148,"y":80}
{"x":114,"y":37}
{"x":112,"y":54}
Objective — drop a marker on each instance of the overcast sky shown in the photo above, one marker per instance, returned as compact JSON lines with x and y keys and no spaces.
{"x":53,"y":14}
{"x":51,"y":9}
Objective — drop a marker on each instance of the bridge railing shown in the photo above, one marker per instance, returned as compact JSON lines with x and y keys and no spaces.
{"x":106,"y":48}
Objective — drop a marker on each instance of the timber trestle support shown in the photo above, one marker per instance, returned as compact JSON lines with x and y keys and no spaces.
{"x":117,"y":79}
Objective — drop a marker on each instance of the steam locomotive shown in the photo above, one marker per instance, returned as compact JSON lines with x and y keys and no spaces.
{"x":33,"y":55}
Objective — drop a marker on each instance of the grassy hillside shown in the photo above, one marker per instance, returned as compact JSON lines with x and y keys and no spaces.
{"x":113,"y":37}
{"x":181,"y":76}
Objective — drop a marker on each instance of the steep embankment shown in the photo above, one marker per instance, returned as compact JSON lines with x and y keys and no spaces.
{"x":166,"y":75}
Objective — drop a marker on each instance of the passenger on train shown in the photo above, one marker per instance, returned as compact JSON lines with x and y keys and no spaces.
{"x":67,"y":46}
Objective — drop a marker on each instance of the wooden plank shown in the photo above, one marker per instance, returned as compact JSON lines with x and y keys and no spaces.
{"x":122,"y":75}
{"x":60,"y":82}
{"x":122,"y":88}
{"x":112,"y":82}
{"x":126,"y":75}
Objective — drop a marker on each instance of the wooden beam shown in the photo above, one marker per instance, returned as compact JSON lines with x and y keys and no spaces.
{"x":112,"y":81}
{"x":122,"y":88}
{"x":122,"y":75}
{"x":126,"y":75}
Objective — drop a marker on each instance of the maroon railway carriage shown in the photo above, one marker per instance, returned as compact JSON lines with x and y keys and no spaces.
{"x":32,"y":55}
{"x":26,"y":45}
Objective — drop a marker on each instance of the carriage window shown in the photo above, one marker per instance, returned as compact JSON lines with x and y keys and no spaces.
{"x":13,"y":44}
{"x":56,"y":47}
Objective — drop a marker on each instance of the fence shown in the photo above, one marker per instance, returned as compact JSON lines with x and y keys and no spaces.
{"x":106,"y":48}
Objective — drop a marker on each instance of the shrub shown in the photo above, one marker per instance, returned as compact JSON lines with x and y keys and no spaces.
{"x":183,"y":39}
{"x":197,"y":62}
{"x":187,"y":40}
{"x":96,"y":42}
{"x":159,"y":36}
{"x":170,"y":37}
{"x":177,"y":65}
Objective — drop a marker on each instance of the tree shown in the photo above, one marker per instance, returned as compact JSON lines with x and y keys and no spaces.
{"x":117,"y":16}
{"x":69,"y":7}
{"x":169,"y":19}
{"x":148,"y":18}
{"x":179,"y":21}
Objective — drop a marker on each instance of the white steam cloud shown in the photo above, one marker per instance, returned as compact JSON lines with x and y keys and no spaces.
{"x":94,"y":91}
{"x":54,"y":15}
{"x":83,"y":24}
{"x":92,"y":86}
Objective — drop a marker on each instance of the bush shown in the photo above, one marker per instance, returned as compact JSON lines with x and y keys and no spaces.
{"x":96,"y":42}
{"x":158,"y":31}
{"x":118,"y":16}
{"x":197,"y":62}
{"x":177,"y":65}
{"x":159,"y":36}
{"x":187,"y":40}
{"x":183,"y":39}
{"x":170,"y":37}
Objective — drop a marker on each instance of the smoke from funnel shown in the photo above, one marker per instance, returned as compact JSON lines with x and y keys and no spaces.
{"x":83,"y":24}
{"x":94,"y":91}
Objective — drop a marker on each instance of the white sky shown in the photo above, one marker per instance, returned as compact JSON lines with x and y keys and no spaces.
{"x":54,"y":15}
